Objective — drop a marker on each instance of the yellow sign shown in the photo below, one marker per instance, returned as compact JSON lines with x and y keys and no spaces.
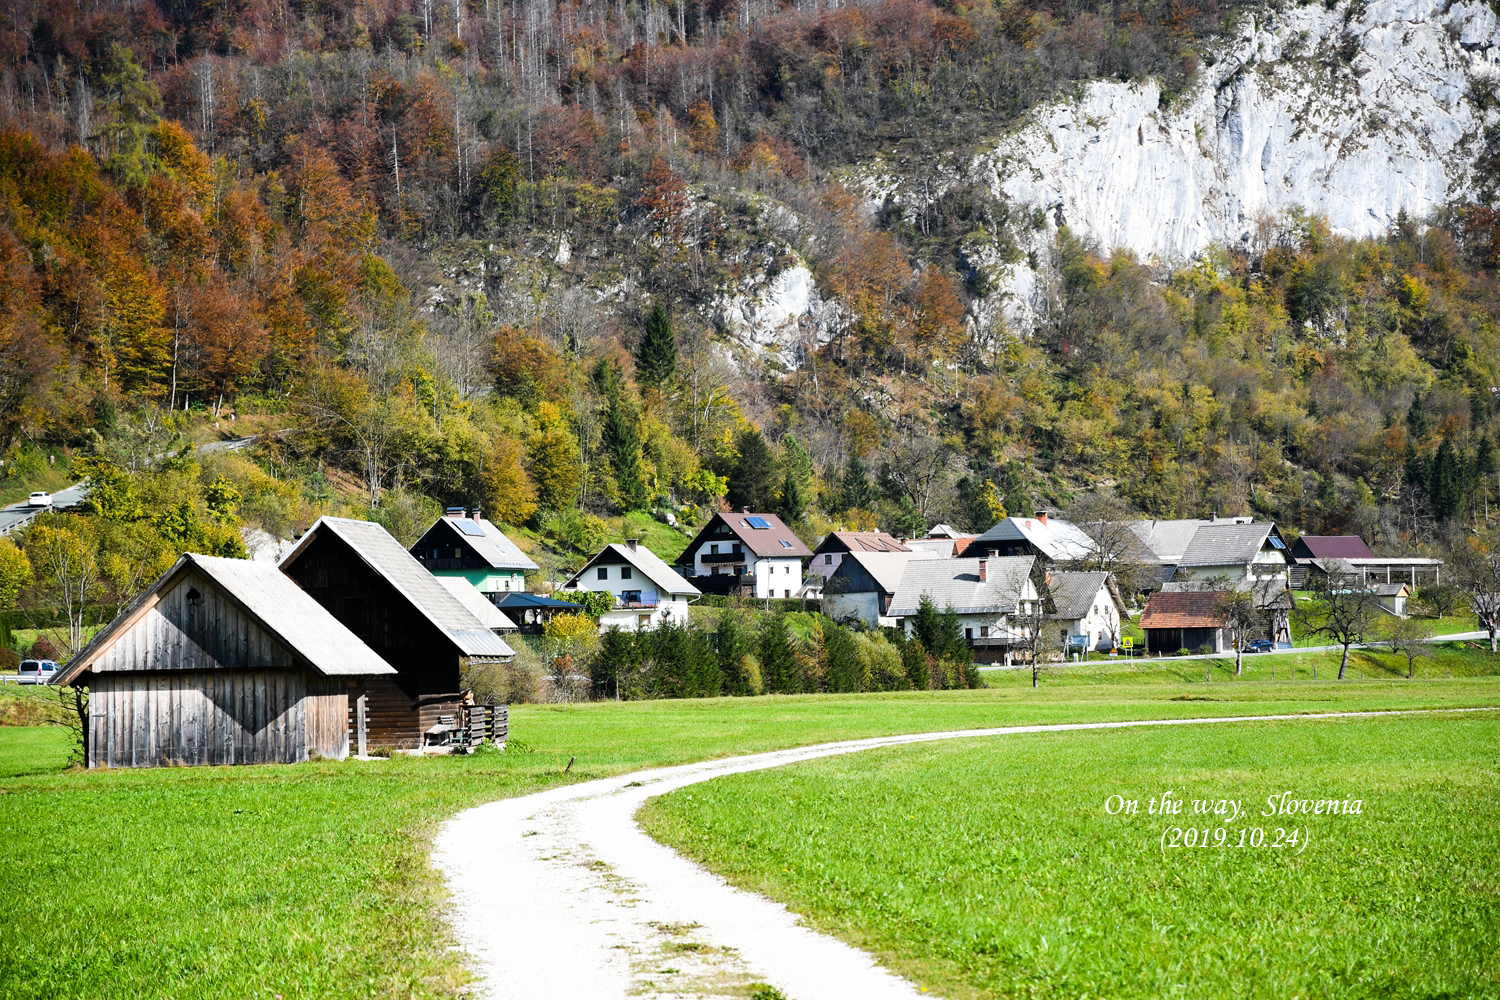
{"x":1127,"y":642}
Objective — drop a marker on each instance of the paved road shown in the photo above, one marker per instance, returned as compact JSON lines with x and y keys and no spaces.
{"x":1456,"y":637}
{"x":561,"y":894}
{"x":19,"y":514}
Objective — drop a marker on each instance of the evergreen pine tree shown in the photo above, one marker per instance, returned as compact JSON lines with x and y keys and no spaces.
{"x":1446,"y":479}
{"x":842,"y":666}
{"x":1484,"y":467}
{"x":793,"y":503}
{"x":656,"y":355}
{"x":777,"y":664}
{"x":622,"y":442}
{"x":732,"y":647}
{"x":856,"y":492}
{"x":752,"y":484}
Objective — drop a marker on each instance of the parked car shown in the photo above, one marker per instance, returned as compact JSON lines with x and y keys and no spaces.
{"x":37,"y":671}
{"x":1260,"y":646}
{"x":39,"y":499}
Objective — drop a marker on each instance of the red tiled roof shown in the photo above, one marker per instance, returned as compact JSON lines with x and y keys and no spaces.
{"x":861,"y":541}
{"x":764,"y":542}
{"x":1183,"y":609}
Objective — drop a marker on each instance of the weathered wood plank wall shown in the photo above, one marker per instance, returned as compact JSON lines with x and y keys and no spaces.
{"x":205,"y":717}
{"x":327,"y":708}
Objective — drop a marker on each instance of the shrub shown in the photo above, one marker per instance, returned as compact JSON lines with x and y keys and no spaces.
{"x":880,"y":663}
{"x":43,"y":649}
{"x":10,"y":660}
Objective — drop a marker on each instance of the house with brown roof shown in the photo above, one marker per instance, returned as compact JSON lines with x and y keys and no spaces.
{"x":837,"y":544}
{"x":754,"y":555}
{"x":1185,"y":619}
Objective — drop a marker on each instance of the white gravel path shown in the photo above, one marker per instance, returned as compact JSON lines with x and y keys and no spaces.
{"x":561,"y":896}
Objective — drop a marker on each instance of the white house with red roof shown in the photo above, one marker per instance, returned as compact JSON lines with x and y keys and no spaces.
{"x":758,"y":548}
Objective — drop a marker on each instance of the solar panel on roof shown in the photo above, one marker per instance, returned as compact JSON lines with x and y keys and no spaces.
{"x":785,"y":544}
{"x":1277,"y":543}
{"x":469,"y":528}
{"x":758,"y":522}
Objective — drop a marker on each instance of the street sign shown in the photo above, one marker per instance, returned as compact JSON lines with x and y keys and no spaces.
{"x":1127,"y":642}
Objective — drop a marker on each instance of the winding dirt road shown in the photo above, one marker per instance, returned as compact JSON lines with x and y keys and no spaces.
{"x":561,"y":896}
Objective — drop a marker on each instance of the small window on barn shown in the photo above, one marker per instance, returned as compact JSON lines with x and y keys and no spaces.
{"x":828,"y":559}
{"x":604,"y":572}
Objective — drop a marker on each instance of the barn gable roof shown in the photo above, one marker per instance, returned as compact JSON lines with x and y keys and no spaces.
{"x":472,"y":598}
{"x":276,"y":604}
{"x":885,"y":568}
{"x":1073,"y":594}
{"x":1230,"y":544}
{"x":378,"y":550}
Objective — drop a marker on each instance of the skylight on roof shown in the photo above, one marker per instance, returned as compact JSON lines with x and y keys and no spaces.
{"x":758,"y":522}
{"x":1277,"y":543}
{"x":469,"y":528}
{"x":785,"y":544}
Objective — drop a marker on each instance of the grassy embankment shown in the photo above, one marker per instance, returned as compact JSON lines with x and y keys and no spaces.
{"x":991,"y":868}
{"x":312,"y":880}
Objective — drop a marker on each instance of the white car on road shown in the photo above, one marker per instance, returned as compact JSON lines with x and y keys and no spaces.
{"x":39,"y":499}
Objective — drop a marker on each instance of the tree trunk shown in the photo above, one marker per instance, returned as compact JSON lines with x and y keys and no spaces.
{"x":1344,"y":663}
{"x":1239,"y":659}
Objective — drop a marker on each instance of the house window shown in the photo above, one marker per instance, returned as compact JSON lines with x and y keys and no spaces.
{"x":785,"y":544}
{"x":604,"y":572}
{"x":713,"y":549}
{"x":624,"y":572}
{"x":738,"y":550}
{"x":828,"y":559}
{"x":984,"y":631}
{"x":786,"y":593}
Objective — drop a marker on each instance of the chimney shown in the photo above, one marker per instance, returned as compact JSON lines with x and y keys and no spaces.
{"x":631,"y":543}
{"x":1213,"y":515}
{"x":453,"y":512}
{"x":744,"y":510}
{"x":475,"y":515}
{"x":1041,"y":515}
{"x":984,"y":570}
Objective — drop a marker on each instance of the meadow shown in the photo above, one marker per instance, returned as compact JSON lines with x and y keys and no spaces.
{"x":312,"y":880}
{"x":994,"y":868}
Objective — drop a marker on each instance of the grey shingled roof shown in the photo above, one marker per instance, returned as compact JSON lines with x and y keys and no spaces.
{"x":273,"y":600}
{"x":649,"y":563}
{"x":383,"y":554}
{"x":885,"y":568}
{"x":493,"y":546}
{"x":1074,"y":593}
{"x":470,"y":597}
{"x":956,"y":582}
{"x":1168,"y":540}
{"x":1226,"y":544}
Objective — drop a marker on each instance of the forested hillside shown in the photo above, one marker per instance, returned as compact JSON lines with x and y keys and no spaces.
{"x":474,"y":252}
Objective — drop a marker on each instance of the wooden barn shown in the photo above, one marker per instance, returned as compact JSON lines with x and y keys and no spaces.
{"x":221,"y":661}
{"x":377,"y":589}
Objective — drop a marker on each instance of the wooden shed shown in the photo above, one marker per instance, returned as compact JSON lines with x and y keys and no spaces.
{"x":220,"y":661}
{"x":380,"y":592}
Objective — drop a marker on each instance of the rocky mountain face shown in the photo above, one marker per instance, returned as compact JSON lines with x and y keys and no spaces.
{"x":1353,"y":112}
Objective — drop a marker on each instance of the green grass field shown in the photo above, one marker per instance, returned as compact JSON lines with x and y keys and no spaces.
{"x":991,"y":868}
{"x":312,"y":880}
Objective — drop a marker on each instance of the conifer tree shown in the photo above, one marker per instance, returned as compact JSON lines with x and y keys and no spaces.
{"x":856,"y":492}
{"x":793,"y":503}
{"x":753,"y":482}
{"x":622,"y":442}
{"x":777,"y":664}
{"x":656,"y":356}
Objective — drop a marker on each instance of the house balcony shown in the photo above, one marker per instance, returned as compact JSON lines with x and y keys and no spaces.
{"x":635,"y":603}
{"x":724,"y":557}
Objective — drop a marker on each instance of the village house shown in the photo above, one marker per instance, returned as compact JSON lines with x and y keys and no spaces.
{"x":379,"y":591}
{"x":1184,"y":619}
{"x":472,"y":548}
{"x":756,"y":555}
{"x":1049,"y":538}
{"x":1235,"y":550}
{"x":862,"y":585}
{"x":837,"y":544}
{"x":942,"y":540}
{"x":1089,"y":610}
{"x":985,"y":593}
{"x":1164,"y":541}
{"x":220,"y":661}
{"x":647,"y":591}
